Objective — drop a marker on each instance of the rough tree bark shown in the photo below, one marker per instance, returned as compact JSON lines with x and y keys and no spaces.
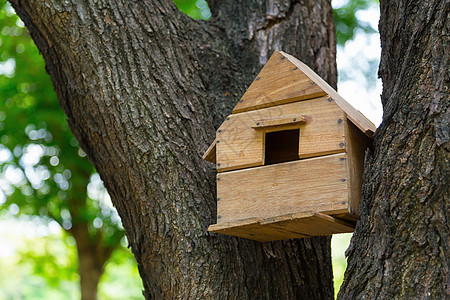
{"x":400,"y":249}
{"x":144,"y":87}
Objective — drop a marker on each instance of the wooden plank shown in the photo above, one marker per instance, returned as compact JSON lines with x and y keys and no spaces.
{"x":347,"y":217}
{"x":315,"y":184}
{"x":291,"y":226}
{"x":357,"y":143}
{"x":309,"y":223}
{"x":285,"y":79}
{"x":210,"y":153}
{"x":279,"y":82}
{"x":251,"y":229}
{"x":240,"y":146}
{"x":355,"y":116}
{"x":276,"y":122}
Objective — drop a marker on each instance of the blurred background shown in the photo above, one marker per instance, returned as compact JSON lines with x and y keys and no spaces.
{"x":56,"y":218}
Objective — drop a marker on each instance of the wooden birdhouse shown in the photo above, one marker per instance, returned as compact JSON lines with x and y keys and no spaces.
{"x":289,"y":158}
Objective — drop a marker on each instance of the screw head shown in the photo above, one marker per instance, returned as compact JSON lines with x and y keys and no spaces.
{"x":340,"y":144}
{"x":258,"y":78}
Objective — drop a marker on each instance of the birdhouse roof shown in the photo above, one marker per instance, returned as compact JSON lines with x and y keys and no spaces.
{"x":285,"y":79}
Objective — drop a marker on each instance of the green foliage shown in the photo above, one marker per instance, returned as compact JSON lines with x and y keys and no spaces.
{"x":41,"y":264}
{"x":35,"y":264}
{"x":339,"y":243}
{"x":51,"y":257}
{"x":119,"y":280}
{"x":346,"y":21}
{"x":196,"y":9}
{"x":50,"y":173}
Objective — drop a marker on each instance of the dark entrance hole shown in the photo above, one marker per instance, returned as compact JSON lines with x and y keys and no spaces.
{"x":282,"y":146}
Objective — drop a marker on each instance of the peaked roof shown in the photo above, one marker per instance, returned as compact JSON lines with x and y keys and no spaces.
{"x":285,"y":79}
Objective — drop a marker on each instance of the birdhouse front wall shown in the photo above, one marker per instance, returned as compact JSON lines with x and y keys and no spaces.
{"x":316,"y":184}
{"x":241,"y":144}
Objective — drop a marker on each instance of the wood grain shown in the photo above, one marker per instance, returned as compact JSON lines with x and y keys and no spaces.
{"x":279,"y":82}
{"x":357,"y":143}
{"x":291,"y":226}
{"x":355,"y":116}
{"x":240,"y":146}
{"x":276,"y":122}
{"x":251,"y":229}
{"x":310,"y":223}
{"x":316,"y":184}
{"x":210,"y":153}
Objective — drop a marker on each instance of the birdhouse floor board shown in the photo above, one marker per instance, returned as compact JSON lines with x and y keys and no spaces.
{"x":314,"y":184}
{"x":346,"y":217}
{"x":289,"y":226}
{"x":251,"y":229}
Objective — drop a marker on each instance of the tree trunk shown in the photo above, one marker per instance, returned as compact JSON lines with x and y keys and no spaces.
{"x":92,"y":256}
{"x":144,"y":88}
{"x":90,"y":275}
{"x":400,"y":249}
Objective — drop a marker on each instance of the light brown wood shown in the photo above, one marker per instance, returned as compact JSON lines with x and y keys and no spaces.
{"x":291,"y":226}
{"x":310,"y":223}
{"x":285,"y":79}
{"x":240,"y":146}
{"x":357,"y":143}
{"x":315,"y":184}
{"x":355,"y":116}
{"x":278,"y":82}
{"x":347,"y":217}
{"x":251,"y":229}
{"x":210,"y":153}
{"x":277,"y":122}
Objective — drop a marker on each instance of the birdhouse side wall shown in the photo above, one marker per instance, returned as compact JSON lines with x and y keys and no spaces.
{"x":357,"y":143}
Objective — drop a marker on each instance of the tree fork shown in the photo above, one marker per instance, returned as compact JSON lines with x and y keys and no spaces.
{"x":144,"y":87}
